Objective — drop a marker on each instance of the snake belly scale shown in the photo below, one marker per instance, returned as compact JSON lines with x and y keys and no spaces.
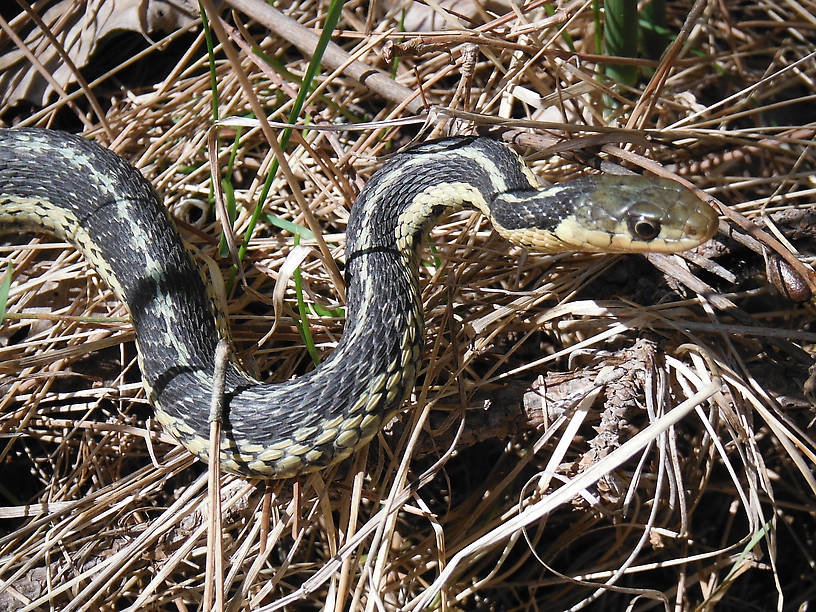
{"x":63,"y":184}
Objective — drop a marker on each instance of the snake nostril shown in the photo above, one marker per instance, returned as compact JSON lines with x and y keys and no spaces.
{"x":644,"y":229}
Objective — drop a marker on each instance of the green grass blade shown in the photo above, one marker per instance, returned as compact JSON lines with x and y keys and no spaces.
{"x":653,"y":29}
{"x":211,"y":58}
{"x":596,"y":14}
{"x":550,"y":10}
{"x":621,"y":38}
{"x":284,"y":224}
{"x":332,"y":18}
{"x":303,"y":312}
{"x":5,"y":286}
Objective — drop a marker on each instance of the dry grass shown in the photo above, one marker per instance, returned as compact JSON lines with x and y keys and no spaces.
{"x":669,"y":465}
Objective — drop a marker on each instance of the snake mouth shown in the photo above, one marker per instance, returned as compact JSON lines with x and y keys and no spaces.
{"x":630,"y":236}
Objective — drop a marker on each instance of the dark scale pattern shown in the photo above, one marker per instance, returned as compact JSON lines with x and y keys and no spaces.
{"x":131,"y":234}
{"x":88,"y":195}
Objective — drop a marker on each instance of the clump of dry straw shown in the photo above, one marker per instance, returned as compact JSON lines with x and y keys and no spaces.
{"x":587,"y":431}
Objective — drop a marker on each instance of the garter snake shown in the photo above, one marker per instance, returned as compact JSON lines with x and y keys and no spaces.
{"x":63,"y":184}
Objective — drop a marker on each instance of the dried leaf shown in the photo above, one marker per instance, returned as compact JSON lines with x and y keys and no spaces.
{"x":78,"y":27}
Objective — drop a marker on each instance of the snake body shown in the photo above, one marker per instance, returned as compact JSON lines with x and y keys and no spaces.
{"x":88,"y":196}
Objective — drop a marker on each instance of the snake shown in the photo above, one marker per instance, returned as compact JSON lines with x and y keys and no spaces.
{"x":88,"y":196}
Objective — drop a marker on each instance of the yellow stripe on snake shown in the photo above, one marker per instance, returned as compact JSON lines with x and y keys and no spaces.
{"x":90,"y":197}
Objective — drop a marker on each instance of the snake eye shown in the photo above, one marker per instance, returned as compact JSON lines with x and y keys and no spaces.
{"x":644,"y":229}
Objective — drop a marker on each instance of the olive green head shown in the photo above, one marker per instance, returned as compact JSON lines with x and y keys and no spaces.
{"x":623,"y":214}
{"x":634,"y":214}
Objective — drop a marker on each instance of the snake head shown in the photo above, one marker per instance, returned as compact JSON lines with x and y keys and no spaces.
{"x":639,"y":214}
{"x":621,"y":214}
